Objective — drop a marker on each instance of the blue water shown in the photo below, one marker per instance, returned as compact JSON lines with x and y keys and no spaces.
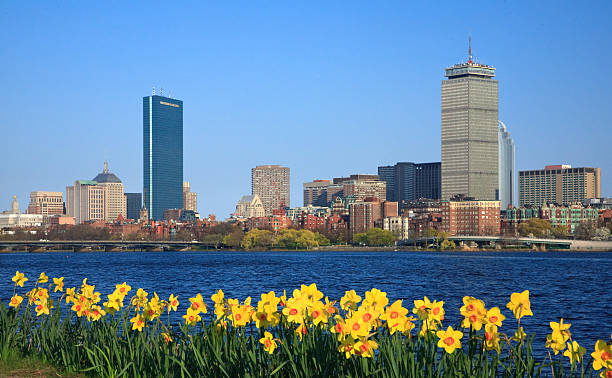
{"x":574,"y":286}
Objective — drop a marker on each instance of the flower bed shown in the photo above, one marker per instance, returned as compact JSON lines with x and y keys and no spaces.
{"x":306,"y":334}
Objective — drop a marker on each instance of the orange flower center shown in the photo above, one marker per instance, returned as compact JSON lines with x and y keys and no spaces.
{"x":488,"y":335}
{"x":609,"y":374}
{"x":175,"y":302}
{"x":436,"y":310}
{"x":238,"y":316}
{"x":470,"y":307}
{"x":367,"y":317}
{"x":449,"y":341}
{"x":315,"y":314}
{"x":39,"y":307}
{"x":267,"y":343}
{"x":151,"y":312}
{"x":122,"y":290}
{"x":356,"y":326}
{"x":473,"y":318}
{"x":339,"y":328}
{"x":262,"y":317}
{"x":195,"y":306}
{"x":293,"y":311}
{"x":78,"y":307}
{"x":394,"y":315}
{"x":493,"y":319}
{"x":605,"y":356}
{"x":140,"y":323}
{"x":191,"y":318}
{"x":422,"y":308}
{"x":364,"y":348}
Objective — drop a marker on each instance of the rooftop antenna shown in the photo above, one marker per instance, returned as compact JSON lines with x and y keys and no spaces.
{"x":470,"y":48}
{"x":105,"y":166}
{"x":153,"y":91}
{"x":161,"y":91}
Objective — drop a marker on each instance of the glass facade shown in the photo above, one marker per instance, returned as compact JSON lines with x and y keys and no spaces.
{"x":408,"y":181}
{"x":162,"y":154}
{"x":133,"y":205}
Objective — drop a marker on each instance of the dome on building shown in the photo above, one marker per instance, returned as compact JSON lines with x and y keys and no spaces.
{"x":105,"y":176}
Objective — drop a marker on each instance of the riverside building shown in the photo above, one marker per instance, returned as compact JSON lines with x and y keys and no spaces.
{"x":560,"y":184}
{"x":271,"y":184}
{"x":507,"y":191}
{"x":407,"y":181}
{"x":190,"y":199}
{"x":162,"y":120}
{"x":46,"y":203}
{"x":469,"y":131}
{"x":86,"y":201}
{"x":467,"y":216}
{"x":114,"y":198}
{"x":133,"y":204}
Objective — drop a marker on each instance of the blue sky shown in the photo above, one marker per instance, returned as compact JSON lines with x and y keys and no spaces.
{"x":325,"y":88}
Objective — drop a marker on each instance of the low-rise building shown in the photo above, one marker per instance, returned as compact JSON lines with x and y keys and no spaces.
{"x":270,"y":222}
{"x":466,"y":216}
{"x":319,"y":211}
{"x":249,"y":207}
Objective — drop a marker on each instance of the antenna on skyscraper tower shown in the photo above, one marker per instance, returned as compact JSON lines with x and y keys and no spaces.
{"x":153,"y":91}
{"x":161,"y":91}
{"x":470,"y":48}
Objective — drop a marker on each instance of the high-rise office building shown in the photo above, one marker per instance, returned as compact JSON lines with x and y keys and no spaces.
{"x":190,"y":199}
{"x":86,"y":201}
{"x":470,"y":131}
{"x":560,"y":184}
{"x":46,"y":203}
{"x":321,"y":192}
{"x":133,"y":204}
{"x":115,"y":194}
{"x":271,"y":184}
{"x":507,"y":191}
{"x":162,"y":154}
{"x":408,"y":181}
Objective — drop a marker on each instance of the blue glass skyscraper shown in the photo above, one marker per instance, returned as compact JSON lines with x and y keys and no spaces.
{"x":162,"y":121}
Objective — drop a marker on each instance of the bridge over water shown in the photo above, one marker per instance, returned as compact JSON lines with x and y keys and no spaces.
{"x":501,"y":242}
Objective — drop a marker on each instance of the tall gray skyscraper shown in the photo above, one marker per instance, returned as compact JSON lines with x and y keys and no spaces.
{"x":507,"y":185}
{"x":162,"y":135}
{"x":470,"y":131}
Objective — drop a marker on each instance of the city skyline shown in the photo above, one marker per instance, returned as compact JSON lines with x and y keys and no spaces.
{"x":534,"y":106}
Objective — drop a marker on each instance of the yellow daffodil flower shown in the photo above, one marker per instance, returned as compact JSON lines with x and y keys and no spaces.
{"x":520,"y":305}
{"x":494,"y":316}
{"x":365,"y":348}
{"x":574,"y":352}
{"x":16,"y":301}
{"x":59,"y":284}
{"x":218,"y":297}
{"x":42,"y":278}
{"x":602,"y":356}
{"x":376,"y":299}
{"x":19,"y":279}
{"x":173,"y":303}
{"x":449,"y":339}
{"x":350,"y":300}
{"x":138,"y":323}
{"x":268,"y":342}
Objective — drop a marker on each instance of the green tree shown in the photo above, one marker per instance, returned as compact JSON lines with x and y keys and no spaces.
{"x":447,"y":244}
{"x":560,"y":232}
{"x":585,"y":231}
{"x":536,"y":227}
{"x":257,"y":239}
{"x":378,"y":237}
{"x":234,"y":238}
{"x":287,"y":238}
{"x":360,"y":239}
{"x":321,"y":239}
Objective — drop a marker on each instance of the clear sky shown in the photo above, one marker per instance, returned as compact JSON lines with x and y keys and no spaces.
{"x":325,"y":88}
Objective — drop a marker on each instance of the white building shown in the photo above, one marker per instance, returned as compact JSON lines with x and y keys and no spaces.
{"x":319,"y":211}
{"x":115,"y":194}
{"x":399,"y":226}
{"x":507,"y":188}
{"x":14,"y":218}
{"x":249,"y":207}
{"x":86,"y":201}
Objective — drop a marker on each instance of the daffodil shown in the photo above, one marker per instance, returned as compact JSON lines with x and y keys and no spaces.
{"x":192,"y":316}
{"x":138,"y":323}
{"x":520,"y":305}
{"x":318,"y":313}
{"x":42,"y":278}
{"x":173,"y":303}
{"x":449,"y":339}
{"x":422,"y":308}
{"x":59,"y":284}
{"x":555,"y":342}
{"x":491,"y":337}
{"x":395,"y":316}
{"x":70,"y":294}
{"x":268,"y":342}
{"x":602,"y":356}
{"x":19,"y":279}
{"x":494,"y":316}
{"x":294,"y":310}
{"x":268,"y":303}
{"x":347,"y":346}
{"x":16,"y":301}
{"x":357,"y":327}
{"x":474,"y":312}
{"x":350,"y":300}
{"x":123,"y":289}
{"x":95,"y":313}
{"x":167,"y":338}
{"x":561,"y":329}
{"x":340,"y":327}
{"x":574,"y":352}
{"x":520,"y":334}
{"x":365,"y":347}
{"x":218,"y":297}
{"x":197,"y":304}
{"x":41,"y":307}
{"x":376,"y":299}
